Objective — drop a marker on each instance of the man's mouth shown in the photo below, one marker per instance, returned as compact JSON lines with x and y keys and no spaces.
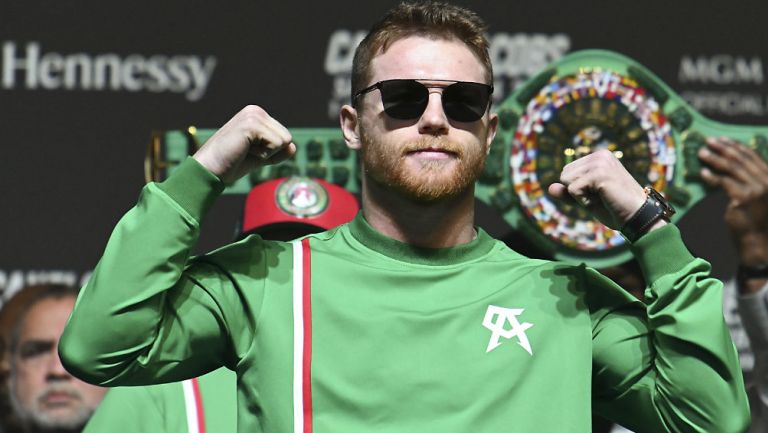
{"x":57,"y":398}
{"x":432,"y":153}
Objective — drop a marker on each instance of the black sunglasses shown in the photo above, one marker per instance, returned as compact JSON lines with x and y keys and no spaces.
{"x":463,"y":101}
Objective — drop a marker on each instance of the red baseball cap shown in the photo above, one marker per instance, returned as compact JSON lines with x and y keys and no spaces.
{"x":298,"y":200}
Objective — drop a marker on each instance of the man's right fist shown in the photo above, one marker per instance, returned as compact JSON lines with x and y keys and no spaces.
{"x":249,"y":139}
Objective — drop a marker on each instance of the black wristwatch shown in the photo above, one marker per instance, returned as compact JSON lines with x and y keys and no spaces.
{"x":745,"y":273}
{"x":655,"y":207}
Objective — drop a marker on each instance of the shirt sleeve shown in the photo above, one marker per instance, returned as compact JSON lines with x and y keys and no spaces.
{"x":669,"y":366}
{"x":149,"y":314}
{"x":131,"y":408}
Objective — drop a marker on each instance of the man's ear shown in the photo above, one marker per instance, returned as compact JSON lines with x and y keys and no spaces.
{"x":350,"y":126}
{"x":493,"y":124}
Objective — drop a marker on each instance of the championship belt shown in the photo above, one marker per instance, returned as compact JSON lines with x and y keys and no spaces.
{"x":586,"y":101}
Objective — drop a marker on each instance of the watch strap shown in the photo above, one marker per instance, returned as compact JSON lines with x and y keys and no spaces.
{"x":745,"y":273}
{"x":641,"y":220}
{"x":649,"y":213}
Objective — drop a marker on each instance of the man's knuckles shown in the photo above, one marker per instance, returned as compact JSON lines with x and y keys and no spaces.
{"x":253,"y":113}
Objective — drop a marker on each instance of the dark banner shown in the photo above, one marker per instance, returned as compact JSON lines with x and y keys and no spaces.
{"x":84,"y":84}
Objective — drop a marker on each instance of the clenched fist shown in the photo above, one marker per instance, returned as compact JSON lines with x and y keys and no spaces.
{"x":603,"y":186}
{"x":249,"y":139}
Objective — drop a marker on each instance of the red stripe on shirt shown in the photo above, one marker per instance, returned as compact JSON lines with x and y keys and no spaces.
{"x":307,"y":315}
{"x":199,"y":406}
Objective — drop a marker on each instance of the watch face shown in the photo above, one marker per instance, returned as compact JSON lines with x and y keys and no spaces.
{"x":573,"y":116}
{"x":666,"y":207}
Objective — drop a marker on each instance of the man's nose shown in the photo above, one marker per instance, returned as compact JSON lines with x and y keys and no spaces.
{"x":433,"y":120}
{"x":54,"y":368}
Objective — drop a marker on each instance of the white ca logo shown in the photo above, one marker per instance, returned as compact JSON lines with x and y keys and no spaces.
{"x":495,"y":320}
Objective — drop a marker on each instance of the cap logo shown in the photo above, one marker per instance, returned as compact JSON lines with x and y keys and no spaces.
{"x":301,"y":197}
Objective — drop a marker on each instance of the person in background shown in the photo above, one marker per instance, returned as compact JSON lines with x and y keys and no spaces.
{"x":280,"y":209}
{"x":9,"y":313}
{"x":44,"y":397}
{"x":743,"y":176}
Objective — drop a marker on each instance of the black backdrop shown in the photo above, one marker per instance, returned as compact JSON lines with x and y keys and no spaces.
{"x":73,"y":149}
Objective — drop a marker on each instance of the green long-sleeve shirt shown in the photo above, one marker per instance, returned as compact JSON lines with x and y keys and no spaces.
{"x":204,"y":404}
{"x":351,"y":331}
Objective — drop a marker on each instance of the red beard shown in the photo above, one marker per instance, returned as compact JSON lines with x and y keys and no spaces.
{"x":435,"y":179}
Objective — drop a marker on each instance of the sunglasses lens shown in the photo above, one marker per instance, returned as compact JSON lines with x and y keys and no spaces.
{"x":466,"y":102}
{"x":407,"y":99}
{"x":404,"y":99}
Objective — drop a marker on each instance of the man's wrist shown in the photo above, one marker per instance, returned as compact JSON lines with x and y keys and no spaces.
{"x":653,"y":214}
{"x":751,"y":278}
{"x":208,"y":162}
{"x":752,"y":248}
{"x":659,"y":223}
